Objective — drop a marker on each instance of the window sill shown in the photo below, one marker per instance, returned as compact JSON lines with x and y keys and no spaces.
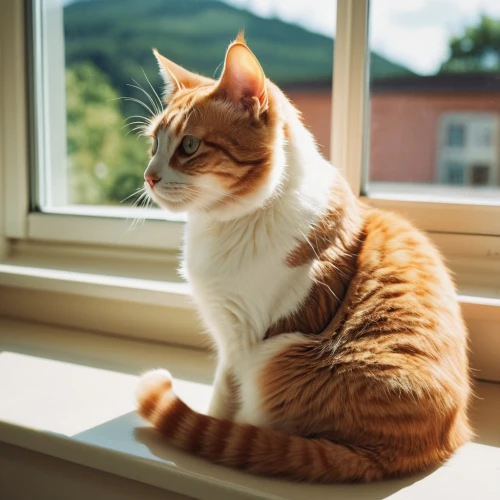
{"x":70,"y":396}
{"x":170,"y":293}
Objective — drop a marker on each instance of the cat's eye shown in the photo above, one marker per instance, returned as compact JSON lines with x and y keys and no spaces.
{"x":190,"y":144}
{"x":155,"y":146}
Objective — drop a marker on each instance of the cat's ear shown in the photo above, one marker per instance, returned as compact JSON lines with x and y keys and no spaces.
{"x":243,"y":81}
{"x":176,"y":77}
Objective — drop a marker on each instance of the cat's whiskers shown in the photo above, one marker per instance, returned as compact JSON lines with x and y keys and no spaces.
{"x":154,"y":104}
{"x":137,"y":122}
{"x":135,"y":193}
{"x":141,"y":202}
{"x":147,"y":119}
{"x":137,"y":101}
{"x":142,"y":129}
{"x":145,"y":205}
{"x":142,"y":122}
{"x":160,"y":102}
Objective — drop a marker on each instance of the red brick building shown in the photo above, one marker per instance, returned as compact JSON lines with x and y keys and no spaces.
{"x":438,"y":129}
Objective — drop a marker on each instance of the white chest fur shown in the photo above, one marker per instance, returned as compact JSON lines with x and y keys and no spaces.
{"x":237,"y":269}
{"x":240,"y":281}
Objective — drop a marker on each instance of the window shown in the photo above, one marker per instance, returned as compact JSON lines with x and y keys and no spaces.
{"x":83,"y":95}
{"x":403,"y":156}
{"x":92,"y":64}
{"x":454,"y":174}
{"x":468,"y":139}
{"x":99,"y":81}
{"x":480,"y":175}
{"x":483,"y":136}
{"x":439,"y":106}
{"x":455,"y":136}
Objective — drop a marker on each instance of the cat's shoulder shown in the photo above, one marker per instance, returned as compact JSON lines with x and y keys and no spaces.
{"x":393,"y":238}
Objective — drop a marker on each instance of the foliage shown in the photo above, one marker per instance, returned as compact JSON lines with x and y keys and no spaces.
{"x":105,"y":164}
{"x":476,"y":50}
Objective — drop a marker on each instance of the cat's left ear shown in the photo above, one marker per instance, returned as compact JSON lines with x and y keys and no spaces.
{"x":176,"y":77}
{"x":243,"y":81}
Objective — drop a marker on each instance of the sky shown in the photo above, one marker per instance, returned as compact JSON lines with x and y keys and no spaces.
{"x":414,"y":33}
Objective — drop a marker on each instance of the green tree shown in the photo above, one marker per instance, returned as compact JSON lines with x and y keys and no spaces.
{"x":477,"y":49}
{"x":104,"y":164}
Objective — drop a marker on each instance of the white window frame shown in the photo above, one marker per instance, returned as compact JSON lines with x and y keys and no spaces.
{"x":108,"y":226}
{"x":350,"y":137}
{"x":13,"y":133}
{"x":350,"y":145}
{"x":49,"y":93}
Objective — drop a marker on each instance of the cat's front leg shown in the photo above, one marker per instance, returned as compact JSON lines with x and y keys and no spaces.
{"x":223,"y":402}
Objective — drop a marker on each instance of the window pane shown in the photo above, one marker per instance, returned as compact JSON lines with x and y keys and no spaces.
{"x":455,"y":135}
{"x":454,"y":173}
{"x":93,"y":57}
{"x":435,"y":126}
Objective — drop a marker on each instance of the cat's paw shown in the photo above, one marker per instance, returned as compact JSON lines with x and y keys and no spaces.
{"x":153,"y":386}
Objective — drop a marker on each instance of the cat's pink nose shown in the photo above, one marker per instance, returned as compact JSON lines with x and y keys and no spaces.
{"x":152,"y":179}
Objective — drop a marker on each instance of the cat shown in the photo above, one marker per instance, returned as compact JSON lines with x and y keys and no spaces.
{"x":342,"y":353}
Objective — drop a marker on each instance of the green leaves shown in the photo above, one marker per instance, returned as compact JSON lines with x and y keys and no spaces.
{"x":476,"y":50}
{"x":104,"y":164}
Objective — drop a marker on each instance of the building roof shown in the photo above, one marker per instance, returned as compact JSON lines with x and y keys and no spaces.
{"x":447,"y":82}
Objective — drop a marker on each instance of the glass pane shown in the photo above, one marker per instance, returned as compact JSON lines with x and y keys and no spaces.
{"x":435,"y":123}
{"x":95,"y":64}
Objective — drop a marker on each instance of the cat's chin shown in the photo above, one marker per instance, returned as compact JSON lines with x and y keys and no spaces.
{"x":170,"y":204}
{"x":173,"y":206}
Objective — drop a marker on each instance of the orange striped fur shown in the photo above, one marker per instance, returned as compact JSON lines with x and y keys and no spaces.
{"x":342,"y":350}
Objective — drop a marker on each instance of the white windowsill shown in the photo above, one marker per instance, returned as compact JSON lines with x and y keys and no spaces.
{"x":156,"y":284}
{"x":70,"y":395}
{"x":140,"y":290}
{"x":147,"y":277}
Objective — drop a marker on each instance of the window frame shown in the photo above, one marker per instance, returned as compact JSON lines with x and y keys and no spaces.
{"x":350,"y":138}
{"x":47,"y":104}
{"x":25,"y":101}
{"x":13,"y":122}
{"x":350,"y":144}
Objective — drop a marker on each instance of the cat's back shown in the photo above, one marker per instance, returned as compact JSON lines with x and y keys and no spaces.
{"x":402,"y":306}
{"x":402,"y":262}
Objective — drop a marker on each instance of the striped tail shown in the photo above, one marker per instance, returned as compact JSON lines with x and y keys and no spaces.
{"x":254,"y":449}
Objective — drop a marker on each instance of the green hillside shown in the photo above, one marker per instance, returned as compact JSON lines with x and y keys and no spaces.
{"x":117,"y":37}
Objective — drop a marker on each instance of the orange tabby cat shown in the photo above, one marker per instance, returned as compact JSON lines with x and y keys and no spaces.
{"x":341,"y":348}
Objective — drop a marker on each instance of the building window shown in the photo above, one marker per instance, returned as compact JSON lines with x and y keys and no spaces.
{"x":455,"y":135}
{"x":455,"y":174}
{"x":480,"y":175}
{"x":483,"y":136}
{"x":469,"y":140}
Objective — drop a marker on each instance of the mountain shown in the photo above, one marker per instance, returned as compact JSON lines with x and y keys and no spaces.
{"x":117,"y":37}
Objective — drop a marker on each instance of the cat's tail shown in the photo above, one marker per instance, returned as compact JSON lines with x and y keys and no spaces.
{"x":254,"y":449}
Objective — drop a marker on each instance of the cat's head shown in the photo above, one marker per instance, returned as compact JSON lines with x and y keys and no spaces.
{"x":217,"y":145}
